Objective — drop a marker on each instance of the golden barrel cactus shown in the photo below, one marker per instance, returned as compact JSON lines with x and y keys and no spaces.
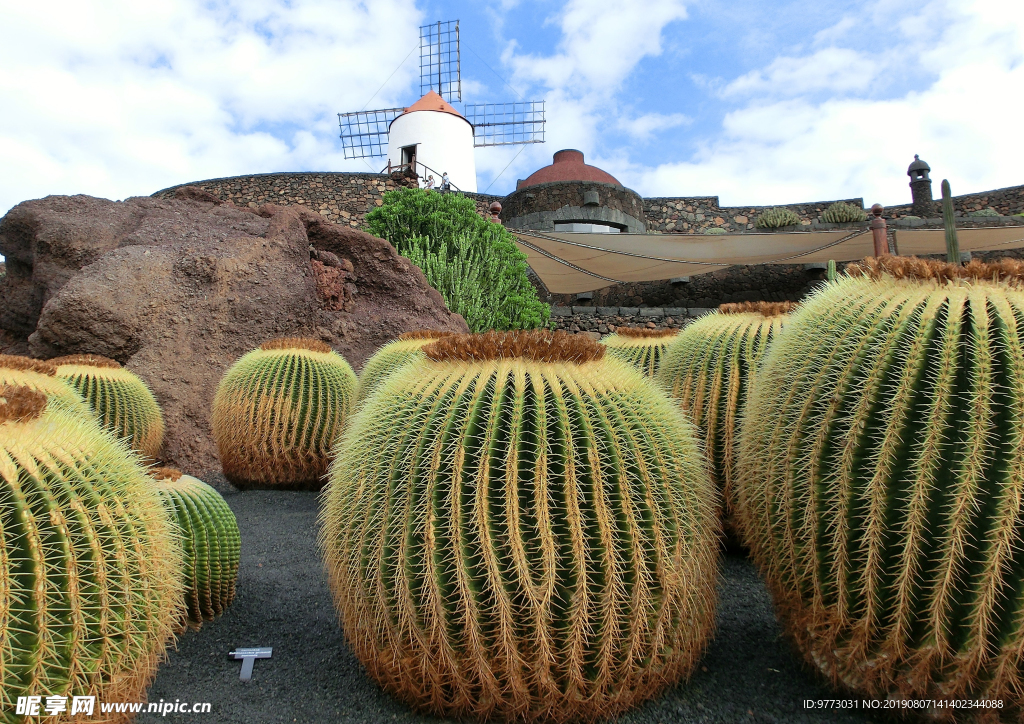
{"x":708,"y":370}
{"x":881,"y":469}
{"x":210,"y":542}
{"x":123,"y":403}
{"x":642,"y":347}
{"x":41,"y":376}
{"x":278,"y":410}
{"x":90,"y":568}
{"x":391,"y":356}
{"x":519,"y":527}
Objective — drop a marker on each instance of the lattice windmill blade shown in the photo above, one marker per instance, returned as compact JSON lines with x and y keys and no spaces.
{"x":506,"y":124}
{"x":440,"y":60}
{"x":364,"y":134}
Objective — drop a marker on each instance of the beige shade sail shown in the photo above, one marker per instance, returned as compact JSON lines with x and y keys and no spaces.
{"x":570,"y":263}
{"x":919,"y":242}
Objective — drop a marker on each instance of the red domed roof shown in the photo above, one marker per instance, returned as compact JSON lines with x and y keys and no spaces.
{"x":568,"y":166}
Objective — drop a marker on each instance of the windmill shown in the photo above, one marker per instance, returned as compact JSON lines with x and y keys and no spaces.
{"x":431,"y":136}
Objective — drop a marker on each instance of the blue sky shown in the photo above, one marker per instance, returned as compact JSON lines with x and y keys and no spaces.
{"x":756,"y":102}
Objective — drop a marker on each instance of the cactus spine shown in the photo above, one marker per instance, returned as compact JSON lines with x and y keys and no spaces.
{"x":390,"y":357}
{"x":89,"y":565}
{"x":881,"y":463}
{"x":708,"y":370}
{"x":516,"y":527}
{"x":949,"y":222}
{"x":123,"y":403}
{"x":642,"y":348}
{"x":277,"y":412}
{"x":210,"y":541}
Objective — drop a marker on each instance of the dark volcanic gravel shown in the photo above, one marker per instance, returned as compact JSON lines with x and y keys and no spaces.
{"x":748,"y":673}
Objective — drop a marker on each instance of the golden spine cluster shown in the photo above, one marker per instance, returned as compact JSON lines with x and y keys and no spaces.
{"x":642,"y":348}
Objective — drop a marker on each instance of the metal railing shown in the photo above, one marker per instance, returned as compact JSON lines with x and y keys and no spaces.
{"x":414,"y":167}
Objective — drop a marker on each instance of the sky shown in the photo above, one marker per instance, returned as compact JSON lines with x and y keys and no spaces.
{"x":755,"y":102}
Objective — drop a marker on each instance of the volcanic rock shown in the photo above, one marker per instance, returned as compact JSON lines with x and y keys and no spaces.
{"x":177,"y":290}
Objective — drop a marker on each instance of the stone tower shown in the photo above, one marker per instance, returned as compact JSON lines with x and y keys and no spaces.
{"x":921,"y":189}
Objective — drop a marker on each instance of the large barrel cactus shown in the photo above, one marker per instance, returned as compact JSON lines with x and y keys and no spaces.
{"x":123,"y":403}
{"x":277,"y":412}
{"x":90,"y":568}
{"x":210,"y":540}
{"x":391,"y":356}
{"x":881,"y":468}
{"x":517,"y":527}
{"x":708,"y":370}
{"x":41,"y":376}
{"x":641,"y":347}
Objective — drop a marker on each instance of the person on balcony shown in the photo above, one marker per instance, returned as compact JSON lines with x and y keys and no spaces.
{"x":429,"y":183}
{"x":446,"y":185}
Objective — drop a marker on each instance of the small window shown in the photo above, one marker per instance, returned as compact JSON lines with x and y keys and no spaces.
{"x":409,"y":155}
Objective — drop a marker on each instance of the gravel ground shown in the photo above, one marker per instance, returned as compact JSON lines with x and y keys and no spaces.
{"x":748,"y":673}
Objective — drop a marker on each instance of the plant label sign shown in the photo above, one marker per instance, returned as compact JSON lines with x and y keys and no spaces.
{"x":248,"y":656}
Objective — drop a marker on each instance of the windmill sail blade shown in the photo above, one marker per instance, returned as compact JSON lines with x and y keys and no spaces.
{"x":364,"y":134}
{"x":440,"y":60}
{"x":506,"y":124}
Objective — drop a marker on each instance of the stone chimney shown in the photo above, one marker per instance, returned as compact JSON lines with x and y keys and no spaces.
{"x":921,"y":189}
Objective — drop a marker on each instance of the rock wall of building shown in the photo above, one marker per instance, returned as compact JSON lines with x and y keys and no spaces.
{"x":549,"y":197}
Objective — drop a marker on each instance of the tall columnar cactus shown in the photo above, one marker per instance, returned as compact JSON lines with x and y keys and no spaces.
{"x":881,"y":468}
{"x":277,"y":412}
{"x":777,"y":217}
{"x":517,"y":527}
{"x":830,"y":273}
{"x":949,"y":223}
{"x":90,"y":568}
{"x":123,"y":403}
{"x":41,"y":376}
{"x":210,"y":541}
{"x":391,"y":356}
{"x":642,"y":348}
{"x":708,"y":370}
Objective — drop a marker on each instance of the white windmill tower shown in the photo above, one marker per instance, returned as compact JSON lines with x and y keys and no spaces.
{"x":431,"y":136}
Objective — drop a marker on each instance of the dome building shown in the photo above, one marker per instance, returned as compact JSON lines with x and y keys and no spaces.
{"x":570,"y":195}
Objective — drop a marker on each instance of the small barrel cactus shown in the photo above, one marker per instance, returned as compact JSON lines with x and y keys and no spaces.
{"x":391,"y":356}
{"x":776,"y":218}
{"x":708,"y":370}
{"x":643,"y":348}
{"x":90,"y":567}
{"x":841,"y":212}
{"x":518,"y":527}
{"x":41,"y":376}
{"x":277,"y":412}
{"x":123,"y":403}
{"x":210,"y":541}
{"x":880,"y":474}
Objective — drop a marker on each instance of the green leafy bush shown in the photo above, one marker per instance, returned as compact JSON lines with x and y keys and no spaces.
{"x":473,"y":263}
{"x":983,"y":212}
{"x":777,"y":218}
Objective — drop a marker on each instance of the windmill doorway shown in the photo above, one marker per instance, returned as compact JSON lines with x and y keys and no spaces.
{"x":409,"y":157}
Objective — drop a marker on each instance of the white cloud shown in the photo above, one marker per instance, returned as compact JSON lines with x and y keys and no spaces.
{"x":643,"y":127}
{"x":121,"y":98}
{"x":965,"y":122}
{"x":837,"y":70}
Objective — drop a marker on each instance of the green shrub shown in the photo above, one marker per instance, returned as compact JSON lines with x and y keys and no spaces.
{"x":841,"y":212}
{"x":776,"y":218}
{"x":473,"y":263}
{"x":715,"y":230}
{"x":983,"y":212}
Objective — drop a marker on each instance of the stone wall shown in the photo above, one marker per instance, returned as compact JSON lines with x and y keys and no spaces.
{"x":695,"y":215}
{"x":341,"y":198}
{"x":598,"y":321}
{"x":1008,"y":201}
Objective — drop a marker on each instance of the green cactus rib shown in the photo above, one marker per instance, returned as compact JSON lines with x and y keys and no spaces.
{"x":386,"y":361}
{"x":880,"y":469}
{"x":123,"y":403}
{"x":644,"y":353}
{"x":211,"y":544}
{"x":528,"y":540}
{"x":276,"y":414}
{"x":89,"y":565}
{"x":708,"y":371}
